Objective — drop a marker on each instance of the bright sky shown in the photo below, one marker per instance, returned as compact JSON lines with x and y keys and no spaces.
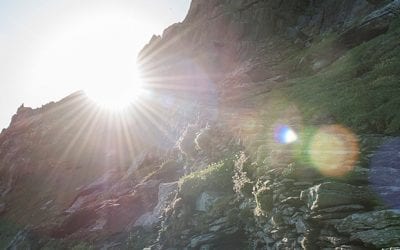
{"x":51,"y":48}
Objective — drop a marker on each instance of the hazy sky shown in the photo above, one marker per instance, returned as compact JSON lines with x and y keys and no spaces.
{"x":51,"y":48}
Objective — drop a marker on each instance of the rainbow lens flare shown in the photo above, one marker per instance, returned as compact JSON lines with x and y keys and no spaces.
{"x":285,"y":135}
{"x":333,"y":150}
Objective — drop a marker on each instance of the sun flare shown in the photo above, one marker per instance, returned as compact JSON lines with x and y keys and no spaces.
{"x":94,"y":51}
{"x":116,"y":95}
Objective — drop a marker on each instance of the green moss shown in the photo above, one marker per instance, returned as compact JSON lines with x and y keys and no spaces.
{"x":360,"y":89}
{"x":217,"y":176}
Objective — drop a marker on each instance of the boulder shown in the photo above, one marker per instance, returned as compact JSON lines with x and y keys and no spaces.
{"x":370,"y":220}
{"x":377,"y":228}
{"x":379,"y":238}
{"x":332,"y":194}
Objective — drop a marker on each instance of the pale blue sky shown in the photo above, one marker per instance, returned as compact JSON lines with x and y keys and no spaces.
{"x":51,"y":48}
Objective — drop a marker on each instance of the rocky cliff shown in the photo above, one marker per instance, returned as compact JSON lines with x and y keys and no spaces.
{"x":272,"y":125}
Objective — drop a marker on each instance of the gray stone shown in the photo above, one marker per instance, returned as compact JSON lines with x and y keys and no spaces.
{"x":344,"y":208}
{"x":334,"y":241}
{"x":338,"y":212}
{"x":378,"y":228}
{"x":301,"y":227}
{"x":372,"y":25}
{"x":379,"y":238}
{"x":219,"y":221}
{"x":347,"y":247}
{"x":206,"y":247}
{"x":218,"y":224}
{"x":202,"y":239}
{"x":330,"y":216}
{"x":331,"y":194}
{"x":320,"y":64}
{"x":369,"y":220}
{"x":166,"y":193}
{"x":24,"y":239}
{"x":206,"y":200}
{"x":293,"y":201}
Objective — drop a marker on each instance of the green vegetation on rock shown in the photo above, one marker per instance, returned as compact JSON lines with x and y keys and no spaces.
{"x":217,"y":176}
{"x":360,"y":89}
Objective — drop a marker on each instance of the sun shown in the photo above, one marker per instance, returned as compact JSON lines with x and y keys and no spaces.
{"x":116,"y":94}
{"x":94,"y":51}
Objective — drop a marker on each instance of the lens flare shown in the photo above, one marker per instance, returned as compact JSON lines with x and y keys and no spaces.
{"x":333,"y":150}
{"x":285,"y":135}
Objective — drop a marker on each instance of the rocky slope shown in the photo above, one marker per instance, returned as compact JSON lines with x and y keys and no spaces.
{"x":272,"y":125}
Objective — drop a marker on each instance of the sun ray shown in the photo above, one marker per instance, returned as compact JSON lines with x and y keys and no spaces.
{"x":128,"y":136}
{"x":119,"y":143}
{"x":154,"y":117}
{"x":78,"y":134}
{"x":59,"y":163}
{"x":90,"y":132}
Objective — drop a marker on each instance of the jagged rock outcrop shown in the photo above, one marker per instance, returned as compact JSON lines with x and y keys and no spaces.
{"x":67,"y":164}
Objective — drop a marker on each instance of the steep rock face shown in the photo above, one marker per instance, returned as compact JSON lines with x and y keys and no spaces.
{"x":66,"y":171}
{"x":236,"y":51}
{"x":41,"y":147}
{"x":242,"y":184}
{"x":218,"y":37}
